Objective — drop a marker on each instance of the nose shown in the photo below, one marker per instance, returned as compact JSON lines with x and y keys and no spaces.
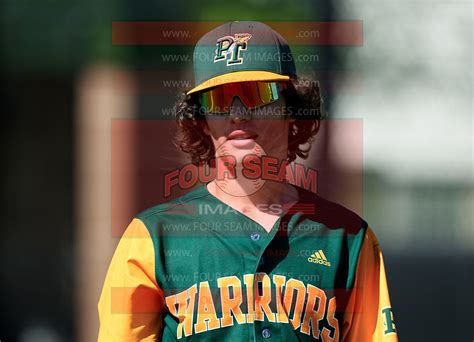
{"x":238,"y":111}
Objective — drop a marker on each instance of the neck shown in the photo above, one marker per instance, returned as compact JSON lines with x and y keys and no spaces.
{"x":247,"y":195}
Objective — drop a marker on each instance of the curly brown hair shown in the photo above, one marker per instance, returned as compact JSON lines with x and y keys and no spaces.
{"x":303,"y":103}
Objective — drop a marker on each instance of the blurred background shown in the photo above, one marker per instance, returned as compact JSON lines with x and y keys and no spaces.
{"x":86,"y":133}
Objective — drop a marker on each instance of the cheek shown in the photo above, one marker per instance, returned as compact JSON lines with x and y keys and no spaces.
{"x":209,"y":127}
{"x":215,"y":129}
{"x":276,"y":128}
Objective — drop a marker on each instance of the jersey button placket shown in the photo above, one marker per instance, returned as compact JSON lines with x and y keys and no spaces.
{"x":255,"y":236}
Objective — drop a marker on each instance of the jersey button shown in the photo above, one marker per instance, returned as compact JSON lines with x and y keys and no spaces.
{"x":266,"y":333}
{"x":255,"y":236}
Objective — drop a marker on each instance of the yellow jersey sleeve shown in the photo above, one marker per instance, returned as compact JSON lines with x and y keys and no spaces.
{"x":131,"y":301}
{"x":368,"y":316}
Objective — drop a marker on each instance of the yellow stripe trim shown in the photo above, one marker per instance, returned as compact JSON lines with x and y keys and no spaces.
{"x":239,"y":76}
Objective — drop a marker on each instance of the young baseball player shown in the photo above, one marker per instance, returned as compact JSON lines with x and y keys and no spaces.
{"x":247,"y":256}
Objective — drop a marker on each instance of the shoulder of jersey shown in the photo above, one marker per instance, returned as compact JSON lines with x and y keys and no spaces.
{"x":182,"y":204}
{"x":331,"y":214}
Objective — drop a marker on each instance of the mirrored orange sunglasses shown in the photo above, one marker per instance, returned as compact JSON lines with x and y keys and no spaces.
{"x":252,"y":94}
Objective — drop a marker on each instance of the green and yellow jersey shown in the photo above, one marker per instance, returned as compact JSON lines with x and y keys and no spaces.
{"x":196,"y":269}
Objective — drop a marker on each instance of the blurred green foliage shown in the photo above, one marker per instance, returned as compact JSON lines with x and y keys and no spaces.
{"x":57,"y":36}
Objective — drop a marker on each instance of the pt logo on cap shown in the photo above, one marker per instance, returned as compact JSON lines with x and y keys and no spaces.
{"x":228,"y":48}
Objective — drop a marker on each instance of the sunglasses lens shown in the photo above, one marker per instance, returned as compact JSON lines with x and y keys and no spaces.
{"x":266,"y":92}
{"x":252,"y":94}
{"x":207,"y":102}
{"x":213,"y":101}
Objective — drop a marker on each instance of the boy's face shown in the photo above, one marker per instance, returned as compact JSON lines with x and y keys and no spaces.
{"x":241,"y":132}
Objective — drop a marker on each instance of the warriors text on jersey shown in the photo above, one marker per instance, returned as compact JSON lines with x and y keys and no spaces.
{"x":196,"y":269}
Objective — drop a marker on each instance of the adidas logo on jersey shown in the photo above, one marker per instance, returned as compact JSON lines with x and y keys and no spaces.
{"x":319,"y":258}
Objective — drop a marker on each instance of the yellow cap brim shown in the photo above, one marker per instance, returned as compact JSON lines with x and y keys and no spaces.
{"x":239,"y":76}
